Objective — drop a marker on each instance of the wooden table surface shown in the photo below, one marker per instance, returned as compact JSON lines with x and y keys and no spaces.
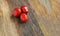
{"x":44,"y":18}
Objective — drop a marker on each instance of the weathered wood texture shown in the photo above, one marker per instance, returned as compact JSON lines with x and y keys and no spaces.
{"x":44,"y":18}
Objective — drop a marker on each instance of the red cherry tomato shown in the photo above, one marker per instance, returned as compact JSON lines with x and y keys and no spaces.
{"x":24,"y":9}
{"x":17,"y":12}
{"x":23,"y":17}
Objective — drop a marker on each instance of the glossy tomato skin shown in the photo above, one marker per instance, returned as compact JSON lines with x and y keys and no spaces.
{"x":23,"y":17}
{"x":24,"y":9}
{"x":17,"y":12}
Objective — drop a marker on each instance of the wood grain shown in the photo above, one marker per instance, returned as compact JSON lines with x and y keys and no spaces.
{"x":44,"y":18}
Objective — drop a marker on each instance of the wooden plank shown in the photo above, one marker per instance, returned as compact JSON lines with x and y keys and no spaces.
{"x":12,"y":25}
{"x":44,"y":18}
{"x":48,"y":20}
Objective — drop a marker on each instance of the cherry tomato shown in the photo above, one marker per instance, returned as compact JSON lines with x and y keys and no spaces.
{"x":24,"y":9}
{"x":17,"y":12}
{"x":23,"y":17}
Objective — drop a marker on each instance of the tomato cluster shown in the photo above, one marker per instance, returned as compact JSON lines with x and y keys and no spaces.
{"x":21,"y":13}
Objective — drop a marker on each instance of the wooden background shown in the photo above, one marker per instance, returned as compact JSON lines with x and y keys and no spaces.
{"x":44,"y":18}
